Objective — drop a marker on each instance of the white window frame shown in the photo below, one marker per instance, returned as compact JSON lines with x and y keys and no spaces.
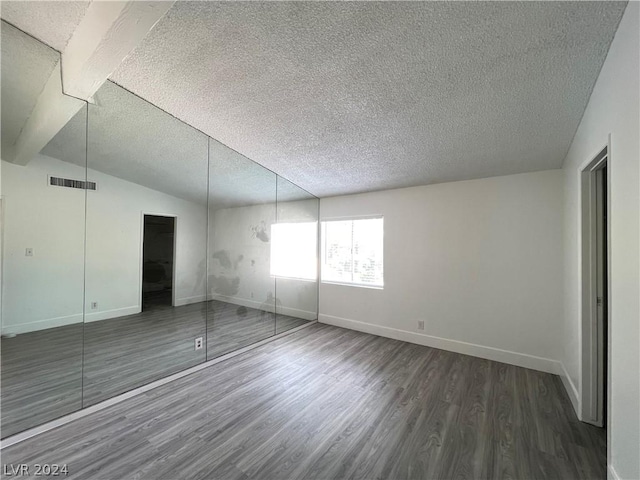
{"x":374,"y":286}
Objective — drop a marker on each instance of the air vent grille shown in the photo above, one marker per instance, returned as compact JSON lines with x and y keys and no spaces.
{"x":70,"y":183}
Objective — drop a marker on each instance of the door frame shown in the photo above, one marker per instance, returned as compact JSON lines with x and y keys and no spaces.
{"x":175,"y":253}
{"x":593,"y":396}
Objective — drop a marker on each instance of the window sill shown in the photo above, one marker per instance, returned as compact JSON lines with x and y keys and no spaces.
{"x":359,"y":285}
{"x":281,"y":277}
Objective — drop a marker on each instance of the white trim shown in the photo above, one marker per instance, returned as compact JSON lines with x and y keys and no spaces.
{"x":611,"y":473}
{"x":189,"y":300}
{"x":489,"y":353}
{"x":351,"y":217}
{"x":22,"y":436}
{"x":590,"y":346}
{"x":135,"y":309}
{"x":41,"y":324}
{"x":174,"y":273}
{"x":245,"y":302}
{"x":572,"y":391}
{"x":113,"y":313}
{"x":52,"y":111}
{"x":298,"y":313}
{"x":108,"y":32}
{"x":353,"y":284}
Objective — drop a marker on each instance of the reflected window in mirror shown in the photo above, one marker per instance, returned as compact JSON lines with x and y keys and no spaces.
{"x":294,"y":250}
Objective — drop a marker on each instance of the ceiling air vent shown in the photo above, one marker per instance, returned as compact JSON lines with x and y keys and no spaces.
{"x":69,"y":183}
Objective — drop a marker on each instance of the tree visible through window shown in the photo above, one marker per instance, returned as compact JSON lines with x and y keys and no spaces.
{"x":352,"y":251}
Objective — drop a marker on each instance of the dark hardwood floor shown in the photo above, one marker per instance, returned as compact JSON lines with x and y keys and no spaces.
{"x":330,"y":403}
{"x":41,"y":377}
{"x":44,"y":376}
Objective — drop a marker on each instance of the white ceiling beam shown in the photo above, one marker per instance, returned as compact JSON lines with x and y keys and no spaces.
{"x":109,"y":31}
{"x":52,"y":112}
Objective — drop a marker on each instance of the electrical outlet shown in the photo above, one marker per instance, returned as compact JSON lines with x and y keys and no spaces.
{"x":251,"y":294}
{"x":94,"y":305}
{"x":420,"y":324}
{"x":28,"y":252}
{"x":199,"y":343}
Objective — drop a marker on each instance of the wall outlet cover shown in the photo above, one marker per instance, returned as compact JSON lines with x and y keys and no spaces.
{"x":198,"y":343}
{"x":420,"y":324}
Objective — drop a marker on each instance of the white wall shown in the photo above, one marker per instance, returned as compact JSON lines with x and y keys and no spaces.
{"x":241,"y":235}
{"x":236,"y":234}
{"x":479,"y":261}
{"x":114,"y":239}
{"x":45,"y":290}
{"x":613,"y":109}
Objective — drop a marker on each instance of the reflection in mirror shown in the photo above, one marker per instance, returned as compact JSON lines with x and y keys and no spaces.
{"x":43,"y":252}
{"x":242,"y":197}
{"x":294,"y":256}
{"x":146,"y":241}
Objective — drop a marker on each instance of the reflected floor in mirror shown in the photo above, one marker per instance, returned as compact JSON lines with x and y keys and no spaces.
{"x":127,"y":352}
{"x":230,"y":327}
{"x":41,"y":377}
{"x":42,"y":371}
{"x":330,"y":403}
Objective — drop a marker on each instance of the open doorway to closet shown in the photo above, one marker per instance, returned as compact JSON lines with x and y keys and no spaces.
{"x":595,"y":289}
{"x":158,"y":261}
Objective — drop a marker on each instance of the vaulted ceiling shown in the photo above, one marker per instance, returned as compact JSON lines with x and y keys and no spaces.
{"x":345,"y":97}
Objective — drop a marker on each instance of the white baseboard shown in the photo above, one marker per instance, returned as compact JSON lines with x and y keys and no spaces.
{"x":298,"y":313}
{"x":572,"y":391}
{"x":189,"y":300}
{"x":134,"y":309}
{"x":108,"y":314}
{"x":490,"y":353}
{"x":41,"y":324}
{"x":611,"y":473}
{"x":245,"y":302}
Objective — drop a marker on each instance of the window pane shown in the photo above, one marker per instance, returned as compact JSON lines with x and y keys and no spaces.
{"x":367,"y":251}
{"x":352,"y":251}
{"x":337,"y":260}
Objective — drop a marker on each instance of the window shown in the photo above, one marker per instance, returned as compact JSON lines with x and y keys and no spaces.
{"x":294,"y":248}
{"x":352,"y":251}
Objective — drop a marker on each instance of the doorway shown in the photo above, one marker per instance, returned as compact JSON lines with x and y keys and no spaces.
{"x":158,"y":251}
{"x":595,"y":289}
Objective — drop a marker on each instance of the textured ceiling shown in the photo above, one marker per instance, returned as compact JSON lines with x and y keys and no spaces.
{"x":50,"y":22}
{"x":343,"y":97}
{"x":131,"y":139}
{"x":26,"y":66}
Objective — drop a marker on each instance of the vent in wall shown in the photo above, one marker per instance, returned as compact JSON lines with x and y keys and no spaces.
{"x":69,"y":183}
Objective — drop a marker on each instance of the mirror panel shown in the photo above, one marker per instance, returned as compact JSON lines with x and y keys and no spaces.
{"x":134,"y":247}
{"x":43,"y":252}
{"x":294,"y":256}
{"x":242,"y":208}
{"x":145,"y":303}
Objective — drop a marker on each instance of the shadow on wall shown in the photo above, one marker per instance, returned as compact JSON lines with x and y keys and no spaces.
{"x":260,"y":232}
{"x":225,"y":279}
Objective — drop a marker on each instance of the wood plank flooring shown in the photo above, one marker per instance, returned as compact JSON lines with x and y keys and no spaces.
{"x":41,"y":377}
{"x":48,"y":374}
{"x":330,"y":403}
